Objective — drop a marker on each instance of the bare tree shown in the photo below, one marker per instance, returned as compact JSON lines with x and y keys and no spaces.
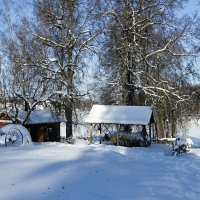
{"x":23,"y":86}
{"x":51,"y":50}
{"x":68,"y":30}
{"x":146,"y":58}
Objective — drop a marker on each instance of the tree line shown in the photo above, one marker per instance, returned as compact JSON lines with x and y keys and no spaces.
{"x":132,"y":52}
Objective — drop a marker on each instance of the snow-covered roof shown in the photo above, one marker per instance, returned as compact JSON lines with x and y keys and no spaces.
{"x":111,"y":114}
{"x":40,"y":117}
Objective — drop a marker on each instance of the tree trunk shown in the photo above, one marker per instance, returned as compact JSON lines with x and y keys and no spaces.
{"x":26,"y":106}
{"x":68,"y":115}
{"x":69,"y":102}
{"x":69,"y":77}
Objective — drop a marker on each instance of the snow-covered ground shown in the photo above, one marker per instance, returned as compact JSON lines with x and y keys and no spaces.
{"x":193,"y":129}
{"x":82,"y":172}
{"x":56,"y":171}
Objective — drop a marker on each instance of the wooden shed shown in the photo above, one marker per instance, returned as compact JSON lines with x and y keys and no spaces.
{"x":43,"y":125}
{"x":124,"y":119}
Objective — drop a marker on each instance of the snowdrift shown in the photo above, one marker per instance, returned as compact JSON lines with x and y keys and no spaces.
{"x":25,"y":133}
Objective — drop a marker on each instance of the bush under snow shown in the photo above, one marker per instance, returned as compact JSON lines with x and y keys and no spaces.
{"x":25,"y":133}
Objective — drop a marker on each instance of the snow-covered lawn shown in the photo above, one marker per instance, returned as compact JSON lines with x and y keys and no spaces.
{"x":82,"y":172}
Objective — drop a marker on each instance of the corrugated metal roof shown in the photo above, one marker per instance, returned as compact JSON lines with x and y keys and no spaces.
{"x":111,"y":114}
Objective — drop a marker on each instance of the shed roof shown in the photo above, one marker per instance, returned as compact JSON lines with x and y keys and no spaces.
{"x":40,"y":117}
{"x":113,"y":114}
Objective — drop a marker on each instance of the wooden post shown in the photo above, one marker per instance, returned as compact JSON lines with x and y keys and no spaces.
{"x":118,"y":127}
{"x":90,"y":133}
{"x":100,"y":133}
{"x":153,"y":131}
{"x":150,"y":132}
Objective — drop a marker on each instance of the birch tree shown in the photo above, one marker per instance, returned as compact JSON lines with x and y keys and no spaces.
{"x":51,"y":49}
{"x":23,"y":86}
{"x":68,"y":31}
{"x":146,"y":55}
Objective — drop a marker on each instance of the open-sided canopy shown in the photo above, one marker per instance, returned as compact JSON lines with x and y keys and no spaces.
{"x":111,"y":114}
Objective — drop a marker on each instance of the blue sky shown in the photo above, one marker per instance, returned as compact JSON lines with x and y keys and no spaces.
{"x":192,"y":6}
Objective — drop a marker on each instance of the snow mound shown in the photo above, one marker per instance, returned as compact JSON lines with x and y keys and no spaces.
{"x":184,"y":141}
{"x":25,"y":133}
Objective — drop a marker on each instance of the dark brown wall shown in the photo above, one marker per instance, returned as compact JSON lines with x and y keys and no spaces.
{"x":44,"y":132}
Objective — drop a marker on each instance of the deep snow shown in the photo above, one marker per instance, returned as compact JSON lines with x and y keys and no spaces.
{"x":82,"y":172}
{"x":56,"y":171}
